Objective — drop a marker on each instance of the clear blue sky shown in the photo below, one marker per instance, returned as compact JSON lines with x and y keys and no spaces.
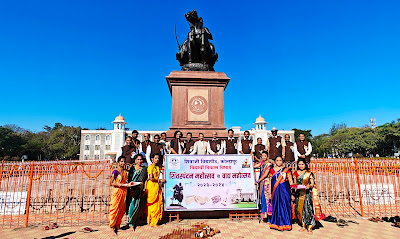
{"x":299,"y":63}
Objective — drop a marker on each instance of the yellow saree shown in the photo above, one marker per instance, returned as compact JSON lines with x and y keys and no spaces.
{"x":154,"y":197}
{"x":118,"y":197}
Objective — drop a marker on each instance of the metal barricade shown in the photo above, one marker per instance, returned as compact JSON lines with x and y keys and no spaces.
{"x":78,"y":193}
{"x":62,"y":192}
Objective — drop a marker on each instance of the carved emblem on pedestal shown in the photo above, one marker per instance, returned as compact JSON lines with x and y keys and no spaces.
{"x":198,"y":105}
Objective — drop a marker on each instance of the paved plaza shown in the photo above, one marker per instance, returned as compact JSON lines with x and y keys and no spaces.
{"x":229,"y":230}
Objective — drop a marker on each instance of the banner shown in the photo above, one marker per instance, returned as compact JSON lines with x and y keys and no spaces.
{"x":378,"y":194}
{"x":12,"y":203}
{"x":209,"y":182}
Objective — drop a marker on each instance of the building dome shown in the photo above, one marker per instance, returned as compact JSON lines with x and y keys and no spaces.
{"x":119,"y":118}
{"x":260,"y":119}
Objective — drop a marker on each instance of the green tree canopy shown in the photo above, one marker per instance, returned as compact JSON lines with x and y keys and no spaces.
{"x":383,"y":140}
{"x":58,"y":142}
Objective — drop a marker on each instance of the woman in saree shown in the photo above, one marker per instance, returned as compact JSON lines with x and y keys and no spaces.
{"x":137,"y":173}
{"x":154,"y":192}
{"x":304,"y":202}
{"x":265,"y":187}
{"x":117,"y":208}
{"x":281,"y":180}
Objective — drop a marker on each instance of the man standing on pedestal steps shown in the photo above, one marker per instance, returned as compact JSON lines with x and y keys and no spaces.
{"x":289,"y":150}
{"x":135,"y":140}
{"x":245,"y":144}
{"x":164,"y":142}
{"x":155,"y":148}
{"x":216,"y":146}
{"x":231,"y":143}
{"x":129,"y":150}
{"x":200,"y":147}
{"x":303,"y":149}
{"x":258,"y":150}
{"x":145,"y":143}
{"x":275,"y":145}
{"x":189,"y":144}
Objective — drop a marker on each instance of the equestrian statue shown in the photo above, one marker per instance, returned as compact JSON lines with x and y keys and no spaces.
{"x":196,"y":53}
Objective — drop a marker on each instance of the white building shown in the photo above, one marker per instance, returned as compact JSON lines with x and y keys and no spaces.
{"x":104,"y":144}
{"x":260,"y":131}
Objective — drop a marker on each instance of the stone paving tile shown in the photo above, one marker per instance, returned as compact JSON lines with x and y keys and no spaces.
{"x":229,"y":230}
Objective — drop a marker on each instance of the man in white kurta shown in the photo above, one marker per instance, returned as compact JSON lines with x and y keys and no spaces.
{"x":200,"y":147}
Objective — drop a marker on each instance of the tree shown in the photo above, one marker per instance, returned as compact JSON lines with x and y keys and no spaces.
{"x":15,"y":128}
{"x":390,"y":132}
{"x":34,"y":146}
{"x":336,"y":127}
{"x":319,"y":144}
{"x":64,"y":142}
{"x":354,"y":140}
{"x":383,"y":140}
{"x":10,"y":142}
{"x":58,"y":142}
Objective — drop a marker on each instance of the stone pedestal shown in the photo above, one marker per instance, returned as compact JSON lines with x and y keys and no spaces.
{"x":197,"y":102}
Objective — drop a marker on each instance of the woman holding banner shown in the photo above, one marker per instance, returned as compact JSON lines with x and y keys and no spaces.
{"x":305,"y":201}
{"x":117,"y":208}
{"x":154,"y":192}
{"x":281,"y":180}
{"x":137,"y":173}
{"x":265,"y":187}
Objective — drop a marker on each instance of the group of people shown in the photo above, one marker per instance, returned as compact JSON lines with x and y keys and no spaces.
{"x":137,"y":191}
{"x":145,"y":159}
{"x":276,"y":146}
{"x":285,"y":196}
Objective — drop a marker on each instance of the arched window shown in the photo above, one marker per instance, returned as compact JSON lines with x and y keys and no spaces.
{"x":97,"y":137}
{"x":87,"y":137}
{"x":108,"y":137}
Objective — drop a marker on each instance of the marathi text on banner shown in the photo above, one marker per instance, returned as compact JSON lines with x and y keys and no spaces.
{"x":12,"y":203}
{"x":378,"y":194}
{"x":209,"y":182}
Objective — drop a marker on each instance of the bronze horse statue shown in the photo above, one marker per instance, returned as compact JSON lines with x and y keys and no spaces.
{"x":197,"y":53}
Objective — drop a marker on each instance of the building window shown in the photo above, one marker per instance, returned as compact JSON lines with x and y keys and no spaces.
{"x":87,"y":147}
{"x":97,"y":156}
{"x":86,"y":157}
{"x":87,"y":137}
{"x":97,"y":147}
{"x":108,"y":147}
{"x":108,"y":137}
{"x":97,"y":137}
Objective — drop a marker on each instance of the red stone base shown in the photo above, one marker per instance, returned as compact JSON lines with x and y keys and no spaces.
{"x":197,"y":102}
